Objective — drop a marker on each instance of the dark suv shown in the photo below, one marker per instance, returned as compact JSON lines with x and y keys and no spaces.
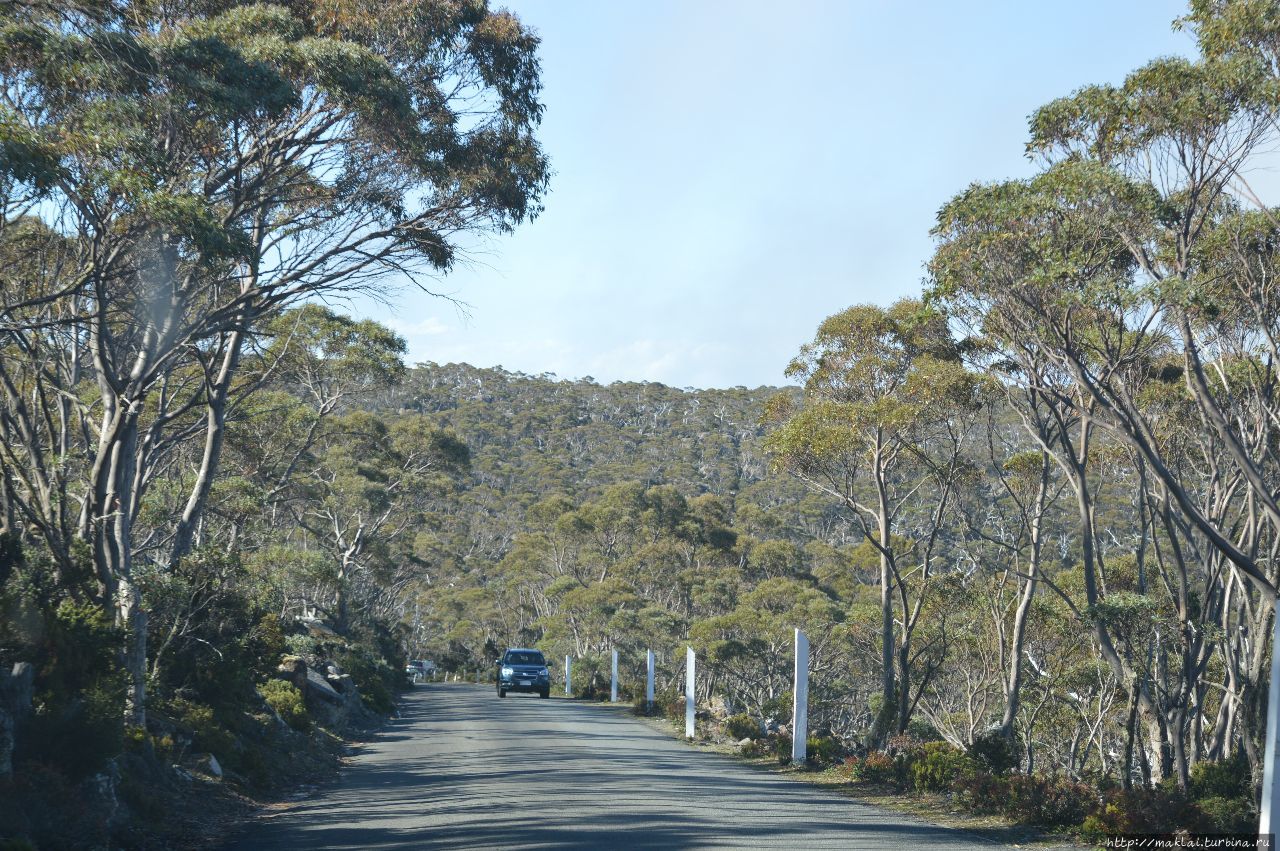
{"x":522,"y":669}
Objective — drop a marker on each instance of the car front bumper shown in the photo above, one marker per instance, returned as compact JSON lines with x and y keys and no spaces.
{"x":529,"y":684}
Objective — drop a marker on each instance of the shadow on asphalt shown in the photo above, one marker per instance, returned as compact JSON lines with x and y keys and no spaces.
{"x":457,"y":770}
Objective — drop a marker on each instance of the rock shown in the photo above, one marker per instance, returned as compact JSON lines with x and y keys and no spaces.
{"x":771,"y":725}
{"x":6,"y":743}
{"x":182,"y":774}
{"x":331,"y":670}
{"x":319,"y":687}
{"x":99,"y":792}
{"x":293,"y":670}
{"x":742,"y":743}
{"x":207,"y":763}
{"x":16,"y":689}
{"x":320,"y":629}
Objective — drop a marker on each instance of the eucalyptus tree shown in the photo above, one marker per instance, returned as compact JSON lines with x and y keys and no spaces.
{"x":1130,"y":270}
{"x":206,"y":163}
{"x":881,"y":428}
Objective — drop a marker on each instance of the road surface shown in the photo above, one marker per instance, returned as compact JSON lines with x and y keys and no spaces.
{"x":462,"y":769}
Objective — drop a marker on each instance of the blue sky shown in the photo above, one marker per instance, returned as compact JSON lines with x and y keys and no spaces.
{"x":728,"y":174}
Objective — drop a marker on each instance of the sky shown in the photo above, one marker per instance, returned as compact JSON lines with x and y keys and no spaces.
{"x":728,"y":174}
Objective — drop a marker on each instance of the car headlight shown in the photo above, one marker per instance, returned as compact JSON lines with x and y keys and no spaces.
{"x":544,"y":673}
{"x":506,"y":672}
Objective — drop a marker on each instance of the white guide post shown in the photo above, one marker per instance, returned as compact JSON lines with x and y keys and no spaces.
{"x":688,"y":692}
{"x":567,"y":691}
{"x":613,"y":680}
{"x":1270,"y":806}
{"x":800,"y":701}
{"x":648,"y":681}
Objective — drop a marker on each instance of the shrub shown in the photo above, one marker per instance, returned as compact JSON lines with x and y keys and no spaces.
{"x":782,"y":748}
{"x":287,"y":701}
{"x":1229,"y":778}
{"x":373,"y":676}
{"x":1047,"y":801}
{"x":823,"y":750}
{"x":39,"y":805}
{"x":753,"y":749}
{"x":207,"y":733}
{"x":741,"y":726}
{"x":939,"y":766}
{"x":1228,"y":815}
{"x":877,"y":767}
{"x":995,"y":752}
{"x":1140,"y":810}
{"x":982,"y":791}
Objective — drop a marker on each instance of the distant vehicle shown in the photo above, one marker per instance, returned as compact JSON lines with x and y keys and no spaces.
{"x":420,"y":668}
{"x":523,"y":669}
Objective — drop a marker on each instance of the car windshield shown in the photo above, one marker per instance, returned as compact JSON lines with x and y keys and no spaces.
{"x":525,"y":658}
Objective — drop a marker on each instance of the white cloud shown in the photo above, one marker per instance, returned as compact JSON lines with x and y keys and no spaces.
{"x":431,"y":326}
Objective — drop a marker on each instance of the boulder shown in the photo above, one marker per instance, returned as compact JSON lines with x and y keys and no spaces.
{"x":293,"y":670}
{"x":100,"y":793}
{"x":207,"y":763}
{"x":6,"y":743}
{"x":318,"y":686}
{"x":321,"y":630}
{"x":742,"y":743}
{"x":324,"y":702}
{"x":17,"y":689}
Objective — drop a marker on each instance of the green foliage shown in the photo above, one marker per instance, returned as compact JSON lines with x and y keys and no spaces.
{"x":823,"y":750}
{"x":742,"y":726}
{"x":377,"y":680}
{"x":995,"y":752}
{"x":1139,"y":810}
{"x":77,"y":723}
{"x":1229,"y":778}
{"x":939,"y":766}
{"x":1047,"y":801}
{"x":41,"y":808}
{"x":288,"y":702}
{"x":1228,"y":815}
{"x":877,"y":767}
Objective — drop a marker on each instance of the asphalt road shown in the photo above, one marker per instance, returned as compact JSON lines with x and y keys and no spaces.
{"x":462,"y":769}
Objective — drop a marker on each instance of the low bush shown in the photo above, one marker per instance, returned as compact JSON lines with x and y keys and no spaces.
{"x":742,"y":726}
{"x":939,"y":766}
{"x":877,"y":767}
{"x":982,"y":791}
{"x":288,"y":702}
{"x":1048,"y":801}
{"x":1139,"y":810}
{"x":1228,"y":815}
{"x":782,"y":748}
{"x":1229,"y":778}
{"x":995,"y":753}
{"x":823,"y":750}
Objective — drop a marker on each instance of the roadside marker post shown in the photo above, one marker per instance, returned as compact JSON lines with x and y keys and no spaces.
{"x":689,"y":662}
{"x":800,"y":701}
{"x":567,"y":690}
{"x":648,"y":682}
{"x":1270,"y":805}
{"x":613,"y":679}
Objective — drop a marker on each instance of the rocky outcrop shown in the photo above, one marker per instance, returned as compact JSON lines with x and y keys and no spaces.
{"x":293,"y":670}
{"x":16,"y":690}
